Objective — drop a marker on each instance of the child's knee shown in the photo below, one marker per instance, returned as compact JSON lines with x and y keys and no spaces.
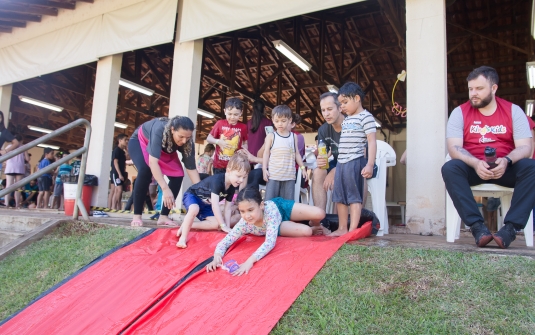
{"x":319,"y":213}
{"x":193,"y":209}
{"x":307,"y":232}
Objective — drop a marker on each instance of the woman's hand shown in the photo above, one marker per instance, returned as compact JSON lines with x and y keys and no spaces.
{"x":213,"y":265}
{"x":168,"y":198}
{"x":244,"y":268}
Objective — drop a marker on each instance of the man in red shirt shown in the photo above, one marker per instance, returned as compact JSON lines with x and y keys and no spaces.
{"x":489,"y":121}
{"x":228,"y":135}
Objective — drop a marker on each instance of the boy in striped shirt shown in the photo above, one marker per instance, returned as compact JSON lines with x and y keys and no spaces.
{"x":358,"y":130}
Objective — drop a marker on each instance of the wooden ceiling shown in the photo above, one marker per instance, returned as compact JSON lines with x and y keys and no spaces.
{"x":363,"y":42}
{"x":16,"y":13}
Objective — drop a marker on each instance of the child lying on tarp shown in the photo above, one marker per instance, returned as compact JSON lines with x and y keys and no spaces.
{"x":270,"y":218}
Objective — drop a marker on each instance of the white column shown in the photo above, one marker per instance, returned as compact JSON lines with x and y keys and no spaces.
{"x":102,"y":120}
{"x":187,"y":63}
{"x":5,"y":101}
{"x":427,"y":115}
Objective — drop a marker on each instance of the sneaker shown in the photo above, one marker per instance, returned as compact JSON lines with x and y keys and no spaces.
{"x":100,"y":214}
{"x":505,"y":236}
{"x":481,"y":233}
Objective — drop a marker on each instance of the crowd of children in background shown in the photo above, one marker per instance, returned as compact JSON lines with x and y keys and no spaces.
{"x":43,"y":192}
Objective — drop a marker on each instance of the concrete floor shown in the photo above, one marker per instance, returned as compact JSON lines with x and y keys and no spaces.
{"x":400,"y":239}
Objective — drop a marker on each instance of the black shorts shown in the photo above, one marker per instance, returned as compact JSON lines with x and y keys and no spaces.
{"x":44,"y":184}
{"x":348,"y":182}
{"x":14,"y":174}
{"x":115,"y":180}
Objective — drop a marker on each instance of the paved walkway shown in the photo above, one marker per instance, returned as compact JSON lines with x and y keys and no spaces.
{"x":465,"y":243}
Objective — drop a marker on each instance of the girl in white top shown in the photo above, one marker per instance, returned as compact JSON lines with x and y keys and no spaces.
{"x":15,"y":170}
{"x":280,"y":156}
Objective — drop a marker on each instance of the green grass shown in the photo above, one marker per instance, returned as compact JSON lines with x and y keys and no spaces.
{"x":372,"y":290}
{"x":361,"y":290}
{"x":32,"y":270}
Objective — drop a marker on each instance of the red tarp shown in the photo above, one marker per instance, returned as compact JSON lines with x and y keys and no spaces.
{"x":113,"y":293}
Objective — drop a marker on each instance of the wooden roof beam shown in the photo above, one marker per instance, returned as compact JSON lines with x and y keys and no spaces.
{"x":16,"y":8}
{"x":12,"y":24}
{"x":56,"y":4}
{"x":20,"y":17}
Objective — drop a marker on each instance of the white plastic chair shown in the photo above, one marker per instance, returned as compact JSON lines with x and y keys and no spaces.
{"x":385,"y":157}
{"x":299,"y":191}
{"x":453,"y":220}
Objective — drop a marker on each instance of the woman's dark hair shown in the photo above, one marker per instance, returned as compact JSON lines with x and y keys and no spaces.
{"x":249,"y":194}
{"x":178,"y":122}
{"x":2,"y":124}
{"x":258,"y":114}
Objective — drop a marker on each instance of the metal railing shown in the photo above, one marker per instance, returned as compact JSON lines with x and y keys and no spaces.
{"x":78,"y":204}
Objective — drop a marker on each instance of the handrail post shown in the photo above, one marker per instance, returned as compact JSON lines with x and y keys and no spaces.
{"x":79,"y":204}
{"x":84,"y":150}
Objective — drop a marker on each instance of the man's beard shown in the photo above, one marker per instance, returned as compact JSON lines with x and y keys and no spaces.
{"x":483,"y":103}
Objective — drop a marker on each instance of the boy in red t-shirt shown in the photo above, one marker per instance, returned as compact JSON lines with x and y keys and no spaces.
{"x":228,"y":135}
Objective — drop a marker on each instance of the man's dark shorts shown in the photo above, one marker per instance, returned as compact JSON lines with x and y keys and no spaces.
{"x":348,"y":182}
{"x":205,"y":210}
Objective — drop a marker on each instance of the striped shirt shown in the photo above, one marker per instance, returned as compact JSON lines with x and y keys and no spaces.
{"x":282,"y":158}
{"x":353,"y":138}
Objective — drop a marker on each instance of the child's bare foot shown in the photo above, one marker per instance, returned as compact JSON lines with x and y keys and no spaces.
{"x":337,"y":233}
{"x":181,"y":243}
{"x":317,"y":230}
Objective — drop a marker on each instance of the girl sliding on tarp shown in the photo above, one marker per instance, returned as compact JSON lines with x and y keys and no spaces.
{"x":270,"y":218}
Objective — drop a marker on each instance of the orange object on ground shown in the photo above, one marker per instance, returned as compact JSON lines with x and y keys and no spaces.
{"x":69,"y":197}
{"x":134,"y":289}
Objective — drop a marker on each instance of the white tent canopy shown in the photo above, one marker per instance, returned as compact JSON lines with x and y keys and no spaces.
{"x":103,"y":28}
{"x":203,"y":18}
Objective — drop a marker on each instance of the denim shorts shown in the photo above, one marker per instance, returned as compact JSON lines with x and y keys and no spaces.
{"x":205,"y":210}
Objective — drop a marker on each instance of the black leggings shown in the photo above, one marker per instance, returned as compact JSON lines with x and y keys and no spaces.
{"x":144,"y":177}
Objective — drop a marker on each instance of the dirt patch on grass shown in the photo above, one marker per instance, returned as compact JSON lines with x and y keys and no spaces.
{"x":77,"y":228}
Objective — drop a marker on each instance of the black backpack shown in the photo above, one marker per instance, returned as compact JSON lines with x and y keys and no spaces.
{"x":331,"y":221}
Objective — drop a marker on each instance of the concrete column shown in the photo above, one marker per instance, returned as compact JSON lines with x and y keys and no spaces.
{"x":184,"y":100}
{"x":5,"y":101}
{"x":427,"y":115}
{"x":102,"y":120}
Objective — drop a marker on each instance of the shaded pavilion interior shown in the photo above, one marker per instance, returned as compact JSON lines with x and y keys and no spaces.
{"x":362,"y":42}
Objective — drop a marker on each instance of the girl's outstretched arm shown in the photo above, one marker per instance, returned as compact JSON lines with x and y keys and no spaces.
{"x":217,"y":261}
{"x":272,"y":219}
{"x":245,"y":267}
